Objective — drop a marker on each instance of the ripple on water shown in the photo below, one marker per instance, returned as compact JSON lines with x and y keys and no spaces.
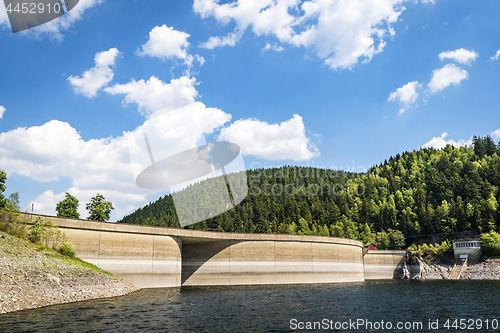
{"x":265,"y":308}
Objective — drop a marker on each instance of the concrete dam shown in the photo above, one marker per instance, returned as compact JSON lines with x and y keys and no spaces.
{"x":151,"y":257}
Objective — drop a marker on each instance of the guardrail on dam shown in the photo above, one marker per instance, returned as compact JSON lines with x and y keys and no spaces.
{"x":168,"y":257}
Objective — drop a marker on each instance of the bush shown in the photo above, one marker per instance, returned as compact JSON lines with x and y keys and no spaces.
{"x":390,"y":240}
{"x":431,"y":250}
{"x":11,"y":223}
{"x":44,"y":231}
{"x":412,"y":248}
{"x":490,"y":243}
{"x":67,"y":249}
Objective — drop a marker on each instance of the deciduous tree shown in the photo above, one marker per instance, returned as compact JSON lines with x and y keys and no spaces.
{"x":99,"y":208}
{"x":68,"y":207}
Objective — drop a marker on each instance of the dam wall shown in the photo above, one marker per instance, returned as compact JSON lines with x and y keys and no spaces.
{"x":148,"y":257}
{"x":152,"y":257}
{"x":383,"y":264}
{"x":279,"y":259}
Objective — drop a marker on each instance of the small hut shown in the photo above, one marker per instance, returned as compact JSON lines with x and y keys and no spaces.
{"x":467,"y":248}
{"x":370,"y":246}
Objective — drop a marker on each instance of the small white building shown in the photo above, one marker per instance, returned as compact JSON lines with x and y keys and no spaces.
{"x":467,"y":248}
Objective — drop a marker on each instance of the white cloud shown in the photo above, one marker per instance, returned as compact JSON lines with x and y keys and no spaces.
{"x":440,"y":142}
{"x":462,"y":55}
{"x":176,"y":121}
{"x":273,"y":47}
{"x":55,"y":27}
{"x":406,"y":95}
{"x":167,"y":43}
{"x":271,"y":141}
{"x":55,"y":149}
{"x":340,"y":32}
{"x":496,"y":56}
{"x":495,"y":135}
{"x":443,"y":77}
{"x":2,"y":111}
{"x":155,"y":95}
{"x":230,"y":40}
{"x":98,"y":76}
{"x":46,"y":202}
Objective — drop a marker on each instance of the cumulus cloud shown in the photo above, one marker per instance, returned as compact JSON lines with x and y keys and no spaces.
{"x":441,"y":142}
{"x":167,"y":43}
{"x":2,"y":111}
{"x":406,"y":95}
{"x":496,"y":56}
{"x":54,"y":28}
{"x":55,"y":149}
{"x":443,"y":77}
{"x":462,"y":55}
{"x":271,"y":141}
{"x":92,"y":80}
{"x":154,"y":94}
{"x":41,"y":152}
{"x":173,"y":106}
{"x":340,"y":32}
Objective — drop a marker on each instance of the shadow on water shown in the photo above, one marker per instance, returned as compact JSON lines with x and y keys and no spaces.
{"x":267,"y":308}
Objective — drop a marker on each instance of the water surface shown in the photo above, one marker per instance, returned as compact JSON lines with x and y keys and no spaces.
{"x":271,"y":308}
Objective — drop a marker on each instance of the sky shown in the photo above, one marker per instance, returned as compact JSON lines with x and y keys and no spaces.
{"x":335,"y":84}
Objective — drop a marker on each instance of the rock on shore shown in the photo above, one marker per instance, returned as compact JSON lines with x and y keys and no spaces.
{"x":488,"y":270}
{"x":31,"y":279}
{"x":416,"y":267}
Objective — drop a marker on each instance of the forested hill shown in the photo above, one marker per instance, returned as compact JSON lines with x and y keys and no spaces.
{"x":417,"y":193}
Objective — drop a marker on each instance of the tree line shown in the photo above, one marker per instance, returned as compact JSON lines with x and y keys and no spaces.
{"x":405,"y":198}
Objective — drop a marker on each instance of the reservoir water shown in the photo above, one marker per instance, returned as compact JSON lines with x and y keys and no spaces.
{"x":413,"y":306}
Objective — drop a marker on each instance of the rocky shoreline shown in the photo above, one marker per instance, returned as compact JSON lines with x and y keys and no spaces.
{"x":32,"y":279}
{"x":416,"y":267}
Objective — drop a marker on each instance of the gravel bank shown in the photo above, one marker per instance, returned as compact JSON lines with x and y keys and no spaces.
{"x":31,"y":279}
{"x":488,"y":270}
{"x":425,"y":269}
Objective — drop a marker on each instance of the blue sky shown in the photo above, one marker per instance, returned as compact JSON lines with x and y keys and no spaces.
{"x":321,"y":83}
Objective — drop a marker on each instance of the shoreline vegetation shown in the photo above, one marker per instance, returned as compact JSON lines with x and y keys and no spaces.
{"x":39,"y":267}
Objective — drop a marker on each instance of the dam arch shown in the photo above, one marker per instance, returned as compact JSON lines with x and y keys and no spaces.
{"x":152,"y":257}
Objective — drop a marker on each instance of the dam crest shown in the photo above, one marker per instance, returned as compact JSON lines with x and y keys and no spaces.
{"x":153,"y":257}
